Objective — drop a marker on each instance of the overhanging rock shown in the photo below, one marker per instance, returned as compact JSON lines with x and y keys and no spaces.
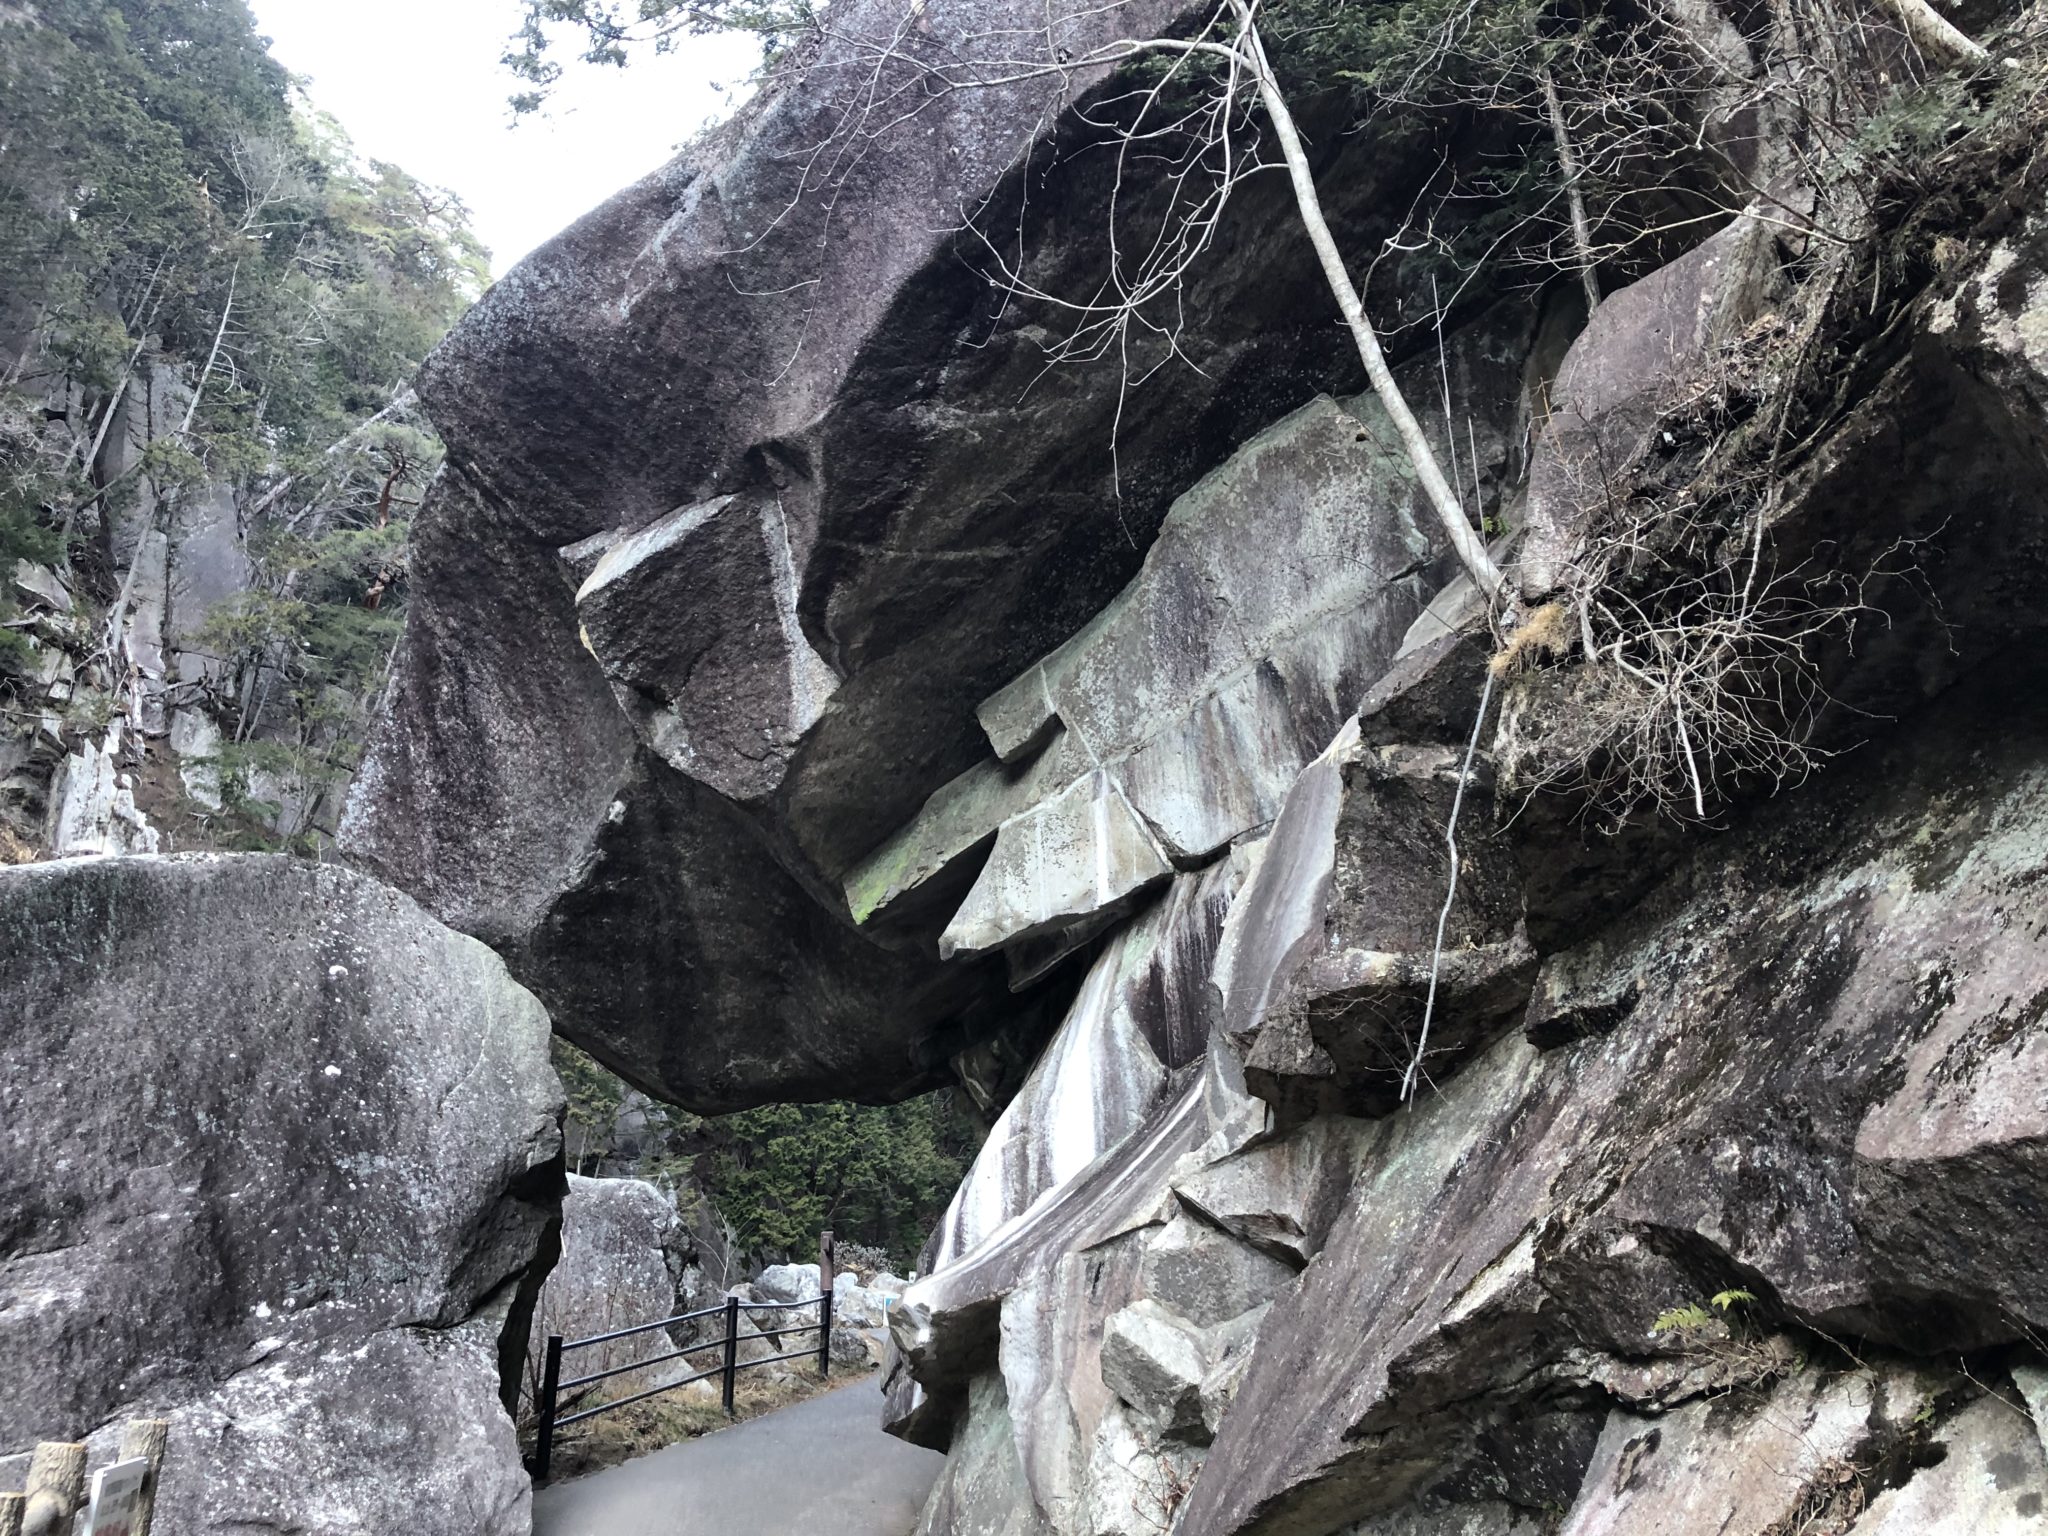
{"x":783,"y":446}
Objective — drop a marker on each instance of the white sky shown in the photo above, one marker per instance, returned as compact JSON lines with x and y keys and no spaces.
{"x":418,"y":83}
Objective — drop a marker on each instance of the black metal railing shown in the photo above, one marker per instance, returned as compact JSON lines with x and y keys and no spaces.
{"x":553,"y":1388}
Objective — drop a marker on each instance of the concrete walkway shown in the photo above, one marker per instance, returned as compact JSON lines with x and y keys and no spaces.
{"x":821,"y":1468}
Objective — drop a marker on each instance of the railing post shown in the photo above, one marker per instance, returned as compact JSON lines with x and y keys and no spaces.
{"x":732,"y":1349}
{"x":828,"y":1255}
{"x":144,"y":1440}
{"x":56,"y":1487}
{"x":544,"y":1432}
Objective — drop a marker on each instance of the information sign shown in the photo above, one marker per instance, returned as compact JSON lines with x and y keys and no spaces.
{"x":117,"y":1499}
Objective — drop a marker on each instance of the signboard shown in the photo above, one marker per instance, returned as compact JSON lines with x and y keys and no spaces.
{"x":117,"y":1492}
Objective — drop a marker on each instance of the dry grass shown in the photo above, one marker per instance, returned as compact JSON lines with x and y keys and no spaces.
{"x":15,"y":849}
{"x":639,"y":1428}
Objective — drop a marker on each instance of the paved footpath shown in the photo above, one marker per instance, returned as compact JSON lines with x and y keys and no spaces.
{"x":821,"y":1468}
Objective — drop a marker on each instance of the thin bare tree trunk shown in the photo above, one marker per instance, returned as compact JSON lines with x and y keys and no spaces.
{"x":1574,"y":196}
{"x":277,"y":492}
{"x":1933,"y":34}
{"x":212,"y":357}
{"x":1450,"y":511}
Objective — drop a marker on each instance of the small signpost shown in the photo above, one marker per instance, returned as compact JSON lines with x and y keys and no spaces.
{"x":123,"y":1492}
{"x":119,"y":1496}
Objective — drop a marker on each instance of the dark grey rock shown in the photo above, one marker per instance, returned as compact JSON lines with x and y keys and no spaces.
{"x":1642,"y":345}
{"x":834,"y":363}
{"x":1734,"y":1130}
{"x":281,"y":1162}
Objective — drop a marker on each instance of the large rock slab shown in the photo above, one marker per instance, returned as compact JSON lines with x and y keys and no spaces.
{"x":1991,"y":1480}
{"x":1116,"y":1061}
{"x":1641,"y":346}
{"x":821,"y":499}
{"x":1728,"y":1111}
{"x":280,"y":1159}
{"x":1279,"y":588}
{"x":623,"y":1263}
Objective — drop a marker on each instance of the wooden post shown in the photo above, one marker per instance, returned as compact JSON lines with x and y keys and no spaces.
{"x":732,"y":1349}
{"x":544,"y":1426}
{"x":56,"y":1485}
{"x":144,"y":1440}
{"x":10,"y":1513}
{"x":827,"y":1254}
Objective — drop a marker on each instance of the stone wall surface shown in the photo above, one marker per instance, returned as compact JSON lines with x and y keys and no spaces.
{"x":282,"y":1163}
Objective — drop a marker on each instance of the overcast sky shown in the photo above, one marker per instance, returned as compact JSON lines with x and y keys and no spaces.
{"x":418,"y":82}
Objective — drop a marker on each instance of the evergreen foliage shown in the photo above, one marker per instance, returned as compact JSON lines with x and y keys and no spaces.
{"x":878,"y":1175}
{"x":170,"y":207}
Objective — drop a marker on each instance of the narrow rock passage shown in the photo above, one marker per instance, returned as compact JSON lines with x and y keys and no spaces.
{"x":823,"y":1466}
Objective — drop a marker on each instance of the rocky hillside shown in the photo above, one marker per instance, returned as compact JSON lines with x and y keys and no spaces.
{"x":210,"y":310}
{"x":866,"y":636}
{"x":1406,"y":639}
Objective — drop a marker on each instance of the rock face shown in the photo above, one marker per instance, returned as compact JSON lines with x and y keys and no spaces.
{"x":109,"y":716}
{"x":624,"y":1262}
{"x":686,"y":651}
{"x":1391,"y":1136}
{"x":282,"y":1163}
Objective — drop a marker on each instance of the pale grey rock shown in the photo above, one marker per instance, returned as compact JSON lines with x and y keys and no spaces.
{"x":859,"y":1309}
{"x":39,"y":584}
{"x":1992,"y":1480}
{"x":1265,"y":608}
{"x":958,"y":821}
{"x":303,"y":1214}
{"x":56,"y":671}
{"x":618,"y":1269}
{"x":1282,"y":1195}
{"x":1050,"y":1353}
{"x":1139,"y":1017}
{"x":1134,"y":1483}
{"x":207,"y":567}
{"x":981,"y":1492}
{"x":142,"y":639}
{"x":92,"y":806}
{"x":1154,"y":1360}
{"x":304,"y":1441}
{"x":788,"y":1282}
{"x":856,"y":1306}
{"x":942,"y":1325}
{"x":1081,"y":852}
{"x":196,"y":740}
{"x":1716,"y":1467}
{"x":1208,"y":1276}
{"x":1228,"y":1347}
{"x":2032,"y":1381}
